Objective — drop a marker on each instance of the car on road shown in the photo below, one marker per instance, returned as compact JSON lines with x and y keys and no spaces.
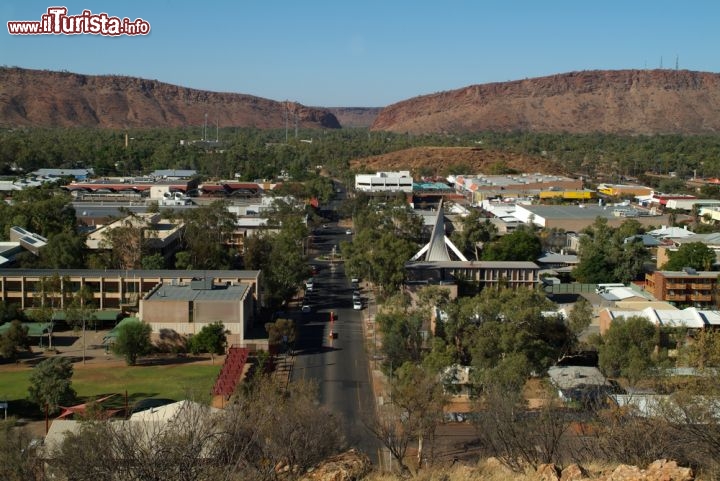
{"x":356,"y":295}
{"x":348,"y":232}
{"x":309,"y":284}
{"x":306,"y":309}
{"x":357,"y":304}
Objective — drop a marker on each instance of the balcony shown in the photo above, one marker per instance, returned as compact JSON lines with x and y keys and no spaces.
{"x":676,"y":285}
{"x":675,"y":297}
{"x":700,"y":297}
{"x":702,"y":287}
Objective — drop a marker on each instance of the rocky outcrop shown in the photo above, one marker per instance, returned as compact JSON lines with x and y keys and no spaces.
{"x":348,"y":466}
{"x":618,"y":101}
{"x":660,"y":470}
{"x":41,"y":98}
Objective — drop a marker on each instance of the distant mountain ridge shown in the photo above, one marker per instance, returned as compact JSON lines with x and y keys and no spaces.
{"x":625,"y":102}
{"x":41,"y":98}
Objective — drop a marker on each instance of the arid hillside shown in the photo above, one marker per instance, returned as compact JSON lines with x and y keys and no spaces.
{"x":40,"y":98}
{"x":443,"y":160}
{"x":621,"y":102}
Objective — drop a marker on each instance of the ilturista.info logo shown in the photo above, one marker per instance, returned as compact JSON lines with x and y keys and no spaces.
{"x":56,"y":21}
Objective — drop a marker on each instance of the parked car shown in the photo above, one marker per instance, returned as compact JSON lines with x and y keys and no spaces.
{"x":356,"y":295}
{"x":357,"y":304}
{"x":348,"y":232}
{"x":309,"y":284}
{"x":306,"y":309}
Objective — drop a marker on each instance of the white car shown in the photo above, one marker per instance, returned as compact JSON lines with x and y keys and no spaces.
{"x":348,"y":232}
{"x":357,"y":304}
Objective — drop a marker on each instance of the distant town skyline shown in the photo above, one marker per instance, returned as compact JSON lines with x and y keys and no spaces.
{"x":370,"y":53}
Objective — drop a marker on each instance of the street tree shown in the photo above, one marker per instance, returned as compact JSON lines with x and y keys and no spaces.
{"x":133,"y":341}
{"x":420,"y":394}
{"x":212,"y":339}
{"x":51,"y":383}
{"x":282,"y":332}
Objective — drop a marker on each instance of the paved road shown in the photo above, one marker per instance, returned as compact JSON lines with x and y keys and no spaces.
{"x":339,"y":365}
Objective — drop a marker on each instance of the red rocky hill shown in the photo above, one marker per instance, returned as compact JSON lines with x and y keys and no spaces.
{"x":40,"y":98}
{"x":620,"y":102}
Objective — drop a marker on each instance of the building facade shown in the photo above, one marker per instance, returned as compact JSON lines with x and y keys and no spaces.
{"x":687,"y":288}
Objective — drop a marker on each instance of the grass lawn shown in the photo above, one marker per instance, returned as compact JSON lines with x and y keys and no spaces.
{"x":172,"y":381}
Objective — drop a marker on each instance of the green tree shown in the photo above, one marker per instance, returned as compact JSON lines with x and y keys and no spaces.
{"x":282,"y":332}
{"x":13,"y":340}
{"x":133,"y":340}
{"x":693,"y":254}
{"x":212,"y":338}
{"x":473,"y":231}
{"x":422,"y":398}
{"x":521,"y":245}
{"x":65,"y":250}
{"x":627,"y":349}
{"x":208,"y":229}
{"x":51,"y":383}
{"x":81,"y":310}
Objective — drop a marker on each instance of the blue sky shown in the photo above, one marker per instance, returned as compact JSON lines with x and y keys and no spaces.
{"x":367,"y":52}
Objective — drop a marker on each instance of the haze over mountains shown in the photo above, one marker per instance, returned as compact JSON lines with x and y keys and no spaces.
{"x":619,"y":101}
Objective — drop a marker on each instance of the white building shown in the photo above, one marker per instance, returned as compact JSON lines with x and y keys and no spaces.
{"x":385,"y":182}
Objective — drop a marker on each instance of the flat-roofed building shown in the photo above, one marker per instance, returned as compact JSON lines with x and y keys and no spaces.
{"x":159,"y":234}
{"x":687,"y":287}
{"x":690,"y":318}
{"x":400,"y":181}
{"x":577,"y":217}
{"x":481,"y":187}
{"x":488,"y":274}
{"x":112,"y":289}
{"x":618,"y":190}
{"x":185,"y":308}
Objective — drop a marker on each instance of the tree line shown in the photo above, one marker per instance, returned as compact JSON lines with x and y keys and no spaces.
{"x":253,"y":153}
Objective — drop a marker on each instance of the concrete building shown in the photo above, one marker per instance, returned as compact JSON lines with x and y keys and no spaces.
{"x":112,"y":289}
{"x":185,"y":308}
{"x":385,"y":182}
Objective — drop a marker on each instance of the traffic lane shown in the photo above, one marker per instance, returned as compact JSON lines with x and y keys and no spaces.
{"x":339,"y":365}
